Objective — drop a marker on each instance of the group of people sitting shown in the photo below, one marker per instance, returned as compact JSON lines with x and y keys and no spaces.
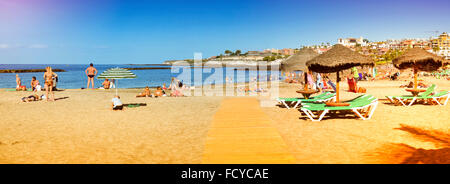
{"x":108,"y":84}
{"x":50,"y":79}
{"x":176,"y":87}
{"x":316,"y":81}
{"x":35,"y":85}
{"x":159,"y":92}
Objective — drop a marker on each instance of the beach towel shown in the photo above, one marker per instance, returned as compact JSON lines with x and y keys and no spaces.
{"x":133,"y":105}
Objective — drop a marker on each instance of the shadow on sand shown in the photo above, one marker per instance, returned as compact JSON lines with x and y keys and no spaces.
{"x":61,"y":98}
{"x":400,"y":153}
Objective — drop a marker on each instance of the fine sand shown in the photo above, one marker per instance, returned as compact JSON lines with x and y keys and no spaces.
{"x":395,"y":134}
{"x":81,"y":128}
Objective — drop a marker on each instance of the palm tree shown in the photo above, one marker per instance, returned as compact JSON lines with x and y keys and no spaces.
{"x":228,"y":52}
{"x":238,"y":52}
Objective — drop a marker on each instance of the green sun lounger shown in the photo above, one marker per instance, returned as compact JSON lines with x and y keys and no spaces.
{"x":403,"y":100}
{"x":323,"y":97}
{"x":441,"y":96}
{"x":363,"y":107}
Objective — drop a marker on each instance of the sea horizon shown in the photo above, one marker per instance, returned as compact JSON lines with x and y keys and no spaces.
{"x":74,"y":76}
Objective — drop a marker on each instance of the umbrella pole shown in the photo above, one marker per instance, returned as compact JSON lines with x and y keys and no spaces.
{"x":337,"y":87}
{"x":306,"y":81}
{"x":415,"y":78}
{"x":116,"y":86}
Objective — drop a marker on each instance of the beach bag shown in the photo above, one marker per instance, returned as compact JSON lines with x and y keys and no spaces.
{"x":362,"y":90}
{"x":351,"y":84}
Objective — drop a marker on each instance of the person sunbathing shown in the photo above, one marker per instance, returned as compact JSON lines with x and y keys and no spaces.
{"x":159,"y":92}
{"x":411,"y":85}
{"x":106,"y":84}
{"x":116,"y":103}
{"x":31,"y":98}
{"x":18,"y":82}
{"x":35,"y":86}
{"x":176,"y":93}
{"x":146,"y":93}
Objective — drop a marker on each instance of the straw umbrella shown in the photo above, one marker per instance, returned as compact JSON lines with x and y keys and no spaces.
{"x":117,"y":73}
{"x":297,"y":62}
{"x":337,"y":59}
{"x":420,"y":60}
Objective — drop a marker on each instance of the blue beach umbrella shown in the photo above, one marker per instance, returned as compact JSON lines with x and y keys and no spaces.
{"x":117,"y":73}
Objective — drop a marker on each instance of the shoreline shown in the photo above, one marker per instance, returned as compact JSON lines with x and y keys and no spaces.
{"x":29,"y":70}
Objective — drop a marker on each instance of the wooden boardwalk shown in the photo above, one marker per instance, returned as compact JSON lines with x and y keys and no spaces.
{"x":241,"y":133}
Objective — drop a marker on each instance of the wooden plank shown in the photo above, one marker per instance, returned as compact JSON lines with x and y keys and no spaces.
{"x":241,"y":133}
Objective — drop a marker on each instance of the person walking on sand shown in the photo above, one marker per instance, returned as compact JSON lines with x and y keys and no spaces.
{"x":49,"y":75}
{"x":91,"y":72}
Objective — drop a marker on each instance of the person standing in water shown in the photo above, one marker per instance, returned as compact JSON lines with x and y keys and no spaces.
{"x":91,"y":72}
{"x":49,"y":75}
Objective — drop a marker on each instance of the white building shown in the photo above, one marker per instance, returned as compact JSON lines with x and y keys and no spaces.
{"x":351,"y":41}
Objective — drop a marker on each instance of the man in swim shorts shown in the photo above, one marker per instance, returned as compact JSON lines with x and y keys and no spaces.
{"x":91,"y":72}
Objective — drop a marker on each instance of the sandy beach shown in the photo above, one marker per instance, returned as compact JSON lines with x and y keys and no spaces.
{"x":80,"y":128}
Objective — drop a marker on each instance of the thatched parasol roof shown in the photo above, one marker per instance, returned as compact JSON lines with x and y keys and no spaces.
{"x":298,"y":60}
{"x":420,"y":59}
{"x":336,"y":59}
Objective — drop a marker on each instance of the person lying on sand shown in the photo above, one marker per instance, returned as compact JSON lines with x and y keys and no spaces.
{"x":116,"y":103}
{"x":106,"y":84}
{"x":176,"y":93}
{"x":31,"y":98}
{"x":411,"y":85}
{"x":146,"y":93}
{"x":159,"y":92}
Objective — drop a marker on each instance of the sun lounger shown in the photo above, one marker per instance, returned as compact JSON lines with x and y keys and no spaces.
{"x":363,"y":107}
{"x":323,"y":97}
{"x":408,"y":100}
{"x":438,"y":97}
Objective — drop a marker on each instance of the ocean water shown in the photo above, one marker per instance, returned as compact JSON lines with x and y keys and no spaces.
{"x":75,"y":77}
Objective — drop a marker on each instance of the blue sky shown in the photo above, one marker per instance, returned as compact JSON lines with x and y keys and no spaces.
{"x":116,"y":32}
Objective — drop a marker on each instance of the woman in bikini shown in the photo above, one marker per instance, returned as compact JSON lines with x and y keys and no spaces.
{"x":48,"y":77}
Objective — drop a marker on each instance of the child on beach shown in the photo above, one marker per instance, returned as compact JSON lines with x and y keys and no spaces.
{"x":116,"y":103}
